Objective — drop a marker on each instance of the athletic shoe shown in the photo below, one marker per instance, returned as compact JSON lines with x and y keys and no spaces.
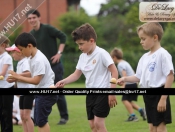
{"x":132,"y":118}
{"x":143,"y":113}
{"x":62,"y":122}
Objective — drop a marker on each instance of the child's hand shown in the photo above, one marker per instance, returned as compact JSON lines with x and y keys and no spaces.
{"x":10,"y":80}
{"x":161,"y":107}
{"x":121,"y":81}
{"x":13,"y":75}
{"x":60,"y":84}
{"x":112,"y":101}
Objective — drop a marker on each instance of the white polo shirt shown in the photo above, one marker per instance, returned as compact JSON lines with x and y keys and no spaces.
{"x":22,"y":66}
{"x":40,"y":65}
{"x":95,"y":68}
{"x":153,"y":69}
{"x":5,"y":58}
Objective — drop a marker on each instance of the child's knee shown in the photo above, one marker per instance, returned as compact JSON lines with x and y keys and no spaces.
{"x":41,"y":123}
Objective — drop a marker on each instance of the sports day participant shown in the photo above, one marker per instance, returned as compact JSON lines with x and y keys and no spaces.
{"x":155,"y":70}
{"x":42,"y":77}
{"x":125,"y":70}
{"x":97,"y":66}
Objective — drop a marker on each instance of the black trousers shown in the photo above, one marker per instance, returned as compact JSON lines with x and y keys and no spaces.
{"x":6,"y":108}
{"x":61,"y":102}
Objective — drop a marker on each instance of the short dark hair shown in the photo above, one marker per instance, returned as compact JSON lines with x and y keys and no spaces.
{"x":24,"y":39}
{"x":33,"y":11}
{"x":85,"y":32}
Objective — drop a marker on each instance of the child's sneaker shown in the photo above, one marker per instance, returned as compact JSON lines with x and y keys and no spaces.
{"x":143,"y":113}
{"x":132,"y":118}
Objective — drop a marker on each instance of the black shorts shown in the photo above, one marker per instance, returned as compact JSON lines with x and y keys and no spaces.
{"x":97,"y":105}
{"x":153,"y":116}
{"x":26,"y":102}
{"x":130,"y":98}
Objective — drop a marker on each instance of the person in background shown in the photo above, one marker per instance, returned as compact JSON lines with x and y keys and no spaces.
{"x":125,"y":69}
{"x":46,"y":37}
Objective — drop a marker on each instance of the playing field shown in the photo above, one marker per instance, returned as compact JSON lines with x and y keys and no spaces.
{"x":114,"y":123}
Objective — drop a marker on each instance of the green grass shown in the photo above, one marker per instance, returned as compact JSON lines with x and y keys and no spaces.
{"x":114,"y":122}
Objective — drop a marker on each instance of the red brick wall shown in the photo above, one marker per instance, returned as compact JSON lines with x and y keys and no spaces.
{"x":55,"y":8}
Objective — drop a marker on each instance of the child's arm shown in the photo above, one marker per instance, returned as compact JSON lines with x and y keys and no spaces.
{"x":112,"y":68}
{"x":120,"y":81}
{"x":72,"y":78}
{"x":123,"y":75}
{"x":169,"y":80}
{"x":4,"y":70}
{"x":35,"y":80}
{"x":168,"y":84}
{"x":112,"y":98}
{"x":26,"y":74}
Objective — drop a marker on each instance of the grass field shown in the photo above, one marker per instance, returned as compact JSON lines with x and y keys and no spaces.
{"x":114,"y":122}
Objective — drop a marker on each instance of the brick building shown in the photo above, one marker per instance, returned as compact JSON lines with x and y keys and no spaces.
{"x":49,"y":9}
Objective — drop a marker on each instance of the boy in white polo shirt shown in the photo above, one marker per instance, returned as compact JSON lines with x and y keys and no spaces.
{"x":42,"y":77}
{"x":155,"y":70}
{"x":25,"y":101}
{"x":98,"y":67}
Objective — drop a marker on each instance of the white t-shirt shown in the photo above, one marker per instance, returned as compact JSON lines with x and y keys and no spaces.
{"x":5,"y":58}
{"x":123,"y":65}
{"x":22,"y":66}
{"x":153,"y":69}
{"x":95,"y":68}
{"x":40,"y":66}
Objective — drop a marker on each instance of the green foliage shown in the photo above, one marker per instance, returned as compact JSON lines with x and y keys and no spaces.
{"x":70,"y":21}
{"x":168,"y":41}
{"x":70,"y":61}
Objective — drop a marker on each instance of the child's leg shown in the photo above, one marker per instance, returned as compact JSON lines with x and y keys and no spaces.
{"x":23,"y":121}
{"x":135,"y":106}
{"x":45,"y":128}
{"x":152,"y":128}
{"x":26,"y":103}
{"x":160,"y":128}
{"x":128,"y":106}
{"x":28,"y":121}
{"x":92,"y":125}
{"x":99,"y":124}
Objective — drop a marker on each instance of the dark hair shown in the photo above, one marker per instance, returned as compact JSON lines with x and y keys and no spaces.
{"x":33,"y":11}
{"x":24,"y":39}
{"x":85,"y":32}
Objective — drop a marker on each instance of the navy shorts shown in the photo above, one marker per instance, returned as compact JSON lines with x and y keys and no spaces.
{"x":43,"y":107}
{"x":26,"y":102}
{"x":153,"y":116}
{"x":97,"y":105}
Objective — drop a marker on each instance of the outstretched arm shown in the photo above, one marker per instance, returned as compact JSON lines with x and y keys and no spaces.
{"x":72,"y":78}
{"x":122,"y":80}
